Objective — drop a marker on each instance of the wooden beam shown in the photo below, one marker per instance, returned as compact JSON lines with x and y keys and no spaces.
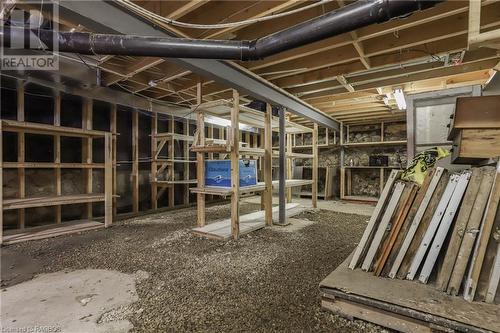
{"x":235,"y":166}
{"x":188,"y":7}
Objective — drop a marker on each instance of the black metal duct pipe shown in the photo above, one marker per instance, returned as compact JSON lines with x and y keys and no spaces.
{"x":345,"y":19}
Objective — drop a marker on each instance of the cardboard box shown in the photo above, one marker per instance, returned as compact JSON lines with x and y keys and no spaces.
{"x":218,"y":173}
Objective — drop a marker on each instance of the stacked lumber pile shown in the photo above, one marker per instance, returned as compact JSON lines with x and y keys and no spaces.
{"x":445,"y":232}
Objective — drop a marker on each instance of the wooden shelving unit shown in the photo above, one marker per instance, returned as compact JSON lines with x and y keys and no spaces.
{"x":263,"y":121}
{"x":23,"y":202}
{"x":346,"y":170}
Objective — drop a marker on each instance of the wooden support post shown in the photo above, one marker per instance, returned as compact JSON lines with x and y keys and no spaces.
{"x":186,"y":164}
{"x":114,"y":131}
{"x":21,"y":172}
{"x":87,"y":150}
{"x":210,"y":155}
{"x":289,"y":162}
{"x":108,"y":179}
{"x":235,"y":166}
{"x":135,"y":161}
{"x":57,"y":151}
{"x":268,"y":165}
{"x":200,"y":158}
{"x":1,"y":184}
{"x":154,"y":164}
{"x":315,"y":167}
{"x":171,"y":157}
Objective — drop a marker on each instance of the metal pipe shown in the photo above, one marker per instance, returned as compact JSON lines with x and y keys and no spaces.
{"x":282,"y":162}
{"x":342,"y":20}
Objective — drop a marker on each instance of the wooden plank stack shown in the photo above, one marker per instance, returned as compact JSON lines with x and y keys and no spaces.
{"x":445,"y":232}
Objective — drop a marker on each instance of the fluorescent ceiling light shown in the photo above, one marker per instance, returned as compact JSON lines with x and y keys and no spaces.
{"x":218,"y":121}
{"x":400,"y":98}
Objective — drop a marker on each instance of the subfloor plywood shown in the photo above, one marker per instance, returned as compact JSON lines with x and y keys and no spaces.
{"x":249,"y":222}
{"x":409,"y":297}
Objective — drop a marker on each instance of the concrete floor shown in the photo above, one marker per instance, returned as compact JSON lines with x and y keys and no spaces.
{"x":152,"y":274}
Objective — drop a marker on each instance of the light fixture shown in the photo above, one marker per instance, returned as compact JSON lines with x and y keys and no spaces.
{"x":400,"y":98}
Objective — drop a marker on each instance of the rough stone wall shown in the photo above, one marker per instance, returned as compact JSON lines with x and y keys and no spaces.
{"x":41,"y":182}
{"x":360,"y":156}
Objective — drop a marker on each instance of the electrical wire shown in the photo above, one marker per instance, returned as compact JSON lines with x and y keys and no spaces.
{"x":173,"y":22}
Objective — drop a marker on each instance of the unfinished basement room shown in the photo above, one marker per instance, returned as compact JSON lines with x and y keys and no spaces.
{"x":250,"y":166}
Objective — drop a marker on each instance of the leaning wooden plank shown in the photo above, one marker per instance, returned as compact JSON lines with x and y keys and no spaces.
{"x":489,"y":261}
{"x":470,"y":233}
{"x":433,"y":225}
{"x":377,"y":239}
{"x":405,"y":205}
{"x":368,"y":233}
{"x":458,"y":231}
{"x":444,"y":226}
{"x":419,"y":198}
{"x":494,"y":278}
{"x":484,"y":237}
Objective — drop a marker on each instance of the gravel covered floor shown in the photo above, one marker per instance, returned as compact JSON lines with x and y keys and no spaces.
{"x":266,"y":281}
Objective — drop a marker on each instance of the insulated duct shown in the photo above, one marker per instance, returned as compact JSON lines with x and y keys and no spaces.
{"x":351,"y":17}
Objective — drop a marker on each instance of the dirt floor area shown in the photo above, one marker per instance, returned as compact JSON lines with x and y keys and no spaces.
{"x":266,"y":281}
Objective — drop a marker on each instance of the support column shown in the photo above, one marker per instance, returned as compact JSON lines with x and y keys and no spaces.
{"x":154,"y":166}
{"x":135,"y":161}
{"x":282,"y":165}
{"x":21,"y":172}
{"x":268,"y":165}
{"x":57,"y":152}
{"x":235,"y":166}
{"x":315,"y":167}
{"x":200,"y":158}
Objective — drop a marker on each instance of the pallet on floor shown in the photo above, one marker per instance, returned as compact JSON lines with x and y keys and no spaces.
{"x":403,"y":305}
{"x":221,"y":229}
{"x":43,"y":232}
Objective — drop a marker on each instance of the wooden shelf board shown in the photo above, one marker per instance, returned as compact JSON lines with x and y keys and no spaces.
{"x":53,"y":230}
{"x":380,"y":143}
{"x":369,"y":167}
{"x":225,"y":191}
{"x":210,"y":149}
{"x":251,"y":151}
{"x":36,"y":128}
{"x":51,"y":201}
{"x":174,"y":182}
{"x":359,"y":198}
{"x":51,"y":165}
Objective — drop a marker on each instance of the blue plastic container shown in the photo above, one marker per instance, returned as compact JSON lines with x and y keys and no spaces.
{"x":218,"y":173}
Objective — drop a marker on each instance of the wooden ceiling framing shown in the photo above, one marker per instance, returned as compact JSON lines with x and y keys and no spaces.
{"x":346,"y":76}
